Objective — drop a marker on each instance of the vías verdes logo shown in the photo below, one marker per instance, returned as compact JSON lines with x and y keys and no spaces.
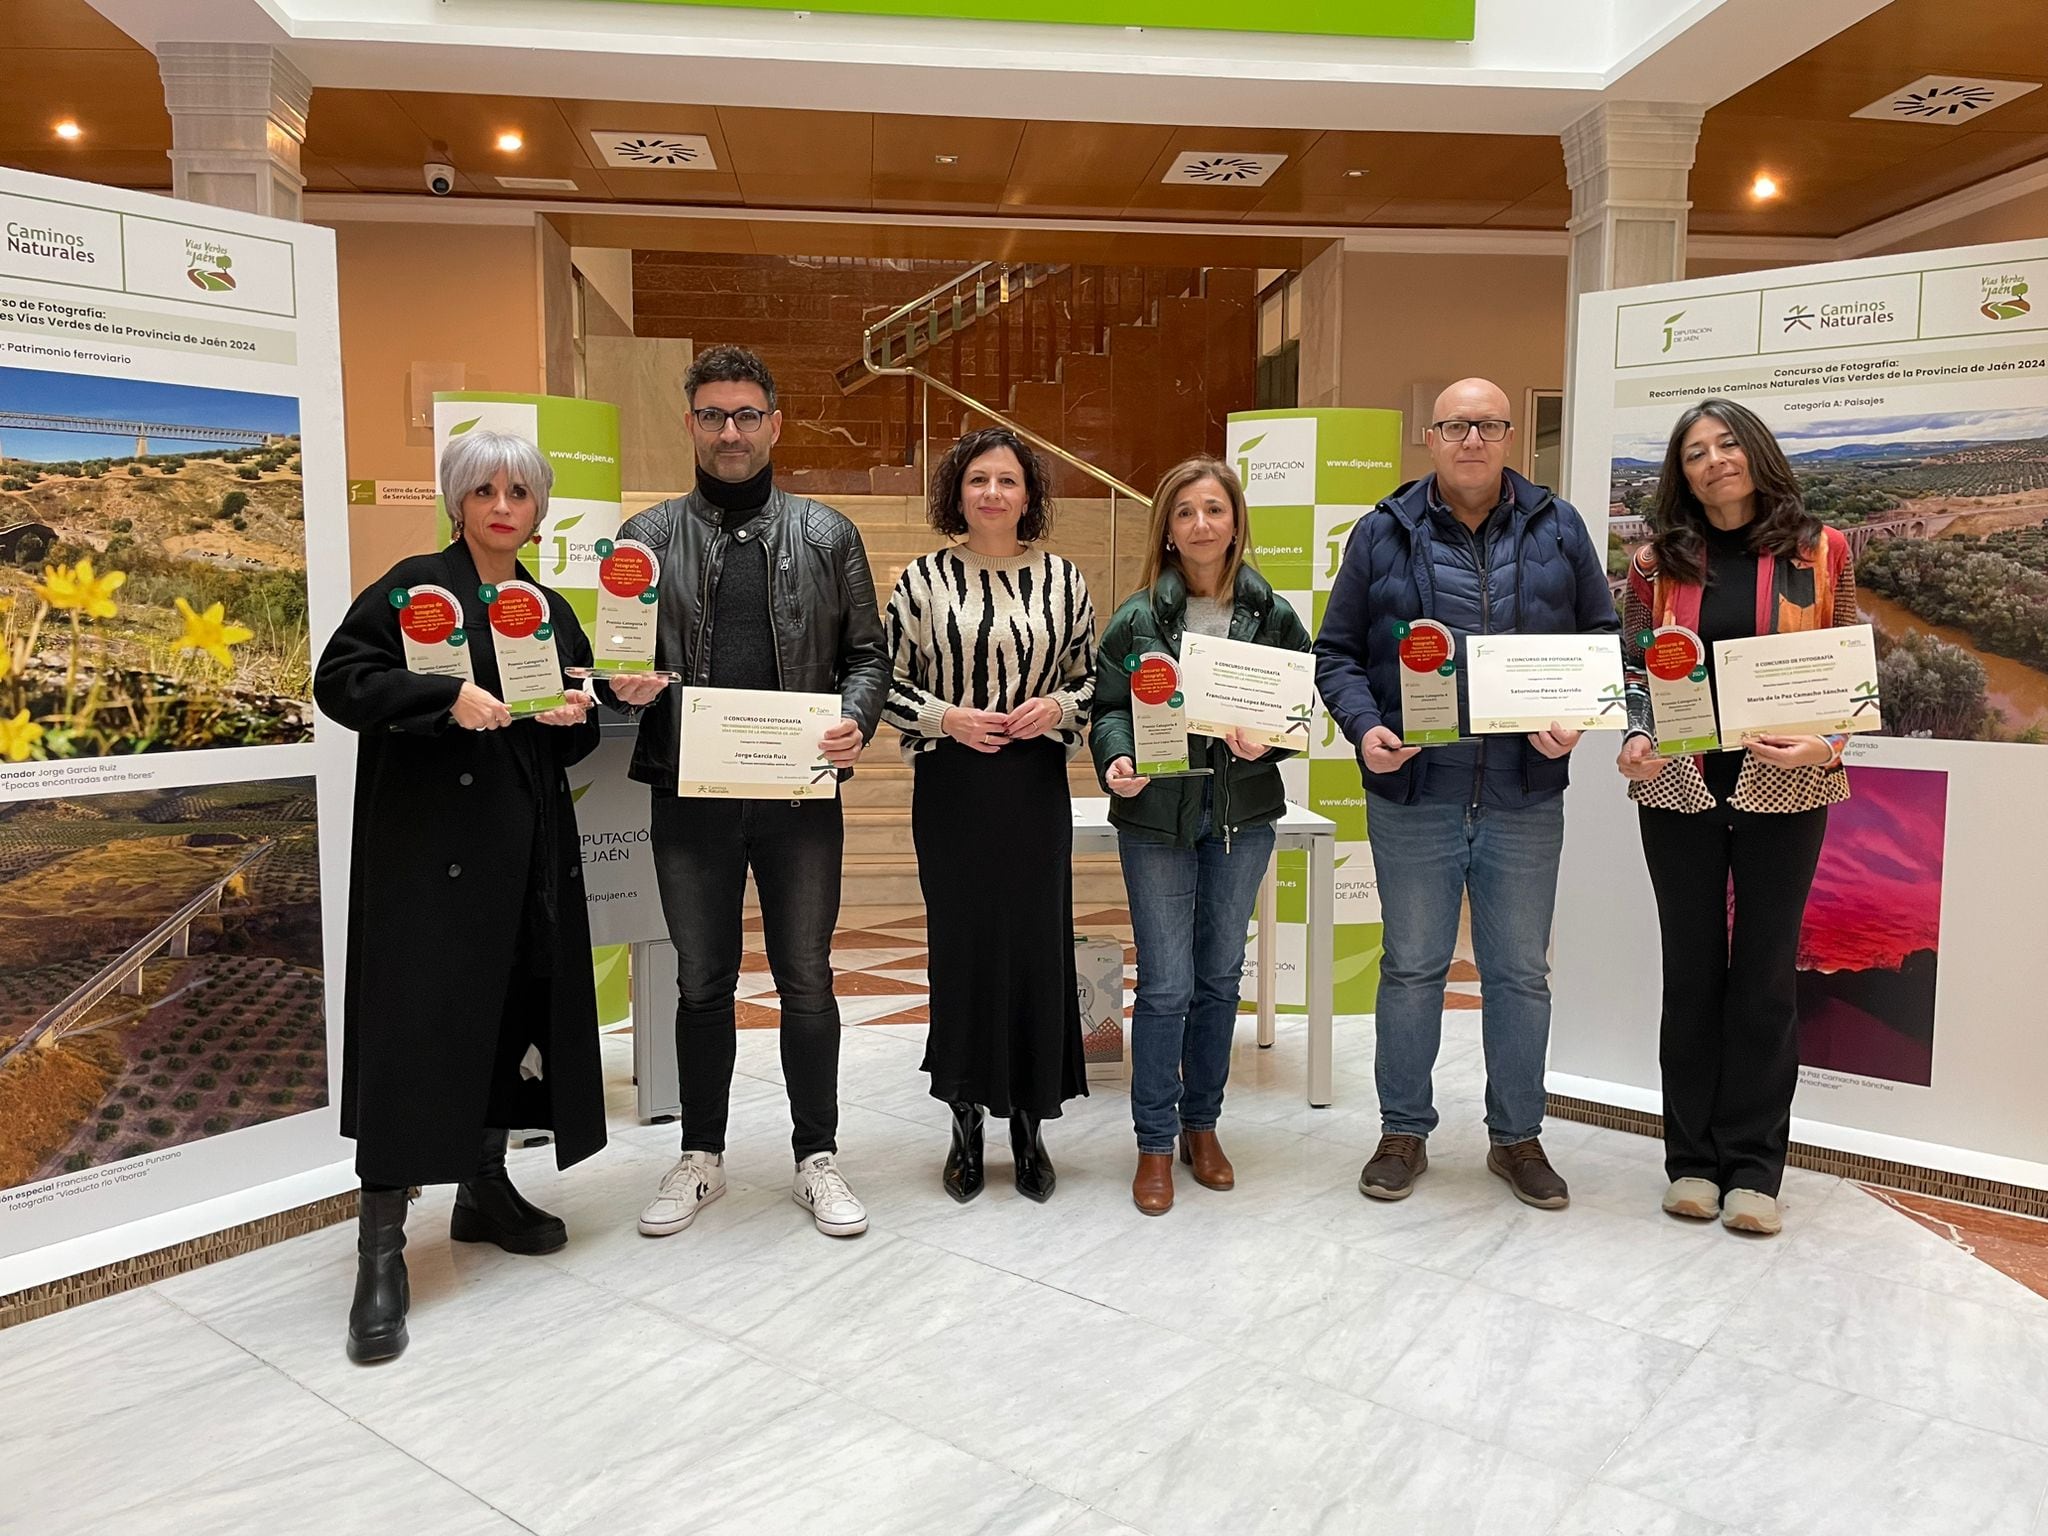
{"x":207,"y":266}
{"x":2005,"y":297}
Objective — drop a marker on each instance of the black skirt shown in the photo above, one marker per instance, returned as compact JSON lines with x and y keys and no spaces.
{"x":995,"y":852}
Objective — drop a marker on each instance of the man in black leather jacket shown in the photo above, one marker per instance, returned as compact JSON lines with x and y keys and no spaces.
{"x":759,"y":589}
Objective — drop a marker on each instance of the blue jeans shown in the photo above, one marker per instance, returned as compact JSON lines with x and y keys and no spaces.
{"x":1428,"y":855}
{"x":1189,"y":911}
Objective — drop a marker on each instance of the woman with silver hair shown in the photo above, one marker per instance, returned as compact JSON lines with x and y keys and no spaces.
{"x":469,"y":1000}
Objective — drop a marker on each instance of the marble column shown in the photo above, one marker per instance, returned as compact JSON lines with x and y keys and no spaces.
{"x":238,"y":119}
{"x":1628,"y":164}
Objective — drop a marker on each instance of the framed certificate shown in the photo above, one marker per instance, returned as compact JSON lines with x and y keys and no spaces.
{"x":1521,"y":684}
{"x":1267,"y":693}
{"x":1818,"y":682}
{"x":756,"y":744}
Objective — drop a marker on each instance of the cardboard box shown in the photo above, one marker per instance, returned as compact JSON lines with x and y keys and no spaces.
{"x":1099,"y":977}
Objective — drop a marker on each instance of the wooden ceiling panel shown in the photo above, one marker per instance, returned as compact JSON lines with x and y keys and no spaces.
{"x":796,"y":147}
{"x":367,"y":137}
{"x":470,"y":125}
{"x":982,"y":149}
{"x":1431,"y":213}
{"x":64,"y":24}
{"x":320,"y":174}
{"x":651,"y":186}
{"x":804,"y":191}
{"x":116,"y":97}
{"x":1548,"y":207}
{"x":1095,"y":155}
{"x":148,"y":170}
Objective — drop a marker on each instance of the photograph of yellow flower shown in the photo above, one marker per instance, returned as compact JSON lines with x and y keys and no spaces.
{"x":152,"y":568}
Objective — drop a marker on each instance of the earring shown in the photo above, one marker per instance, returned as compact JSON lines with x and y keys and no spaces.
{"x":536,"y":537}
{"x":1169,"y":544}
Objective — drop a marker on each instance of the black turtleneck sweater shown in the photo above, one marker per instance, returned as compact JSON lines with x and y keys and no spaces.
{"x":1727,"y":612}
{"x":742,"y":621}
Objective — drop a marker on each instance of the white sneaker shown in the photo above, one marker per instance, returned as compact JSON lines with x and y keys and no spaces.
{"x":821,"y":1189}
{"x":1695,"y":1199}
{"x":694,"y":1182}
{"x":1749,"y":1210}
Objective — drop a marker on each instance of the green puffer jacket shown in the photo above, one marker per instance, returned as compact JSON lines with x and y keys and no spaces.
{"x":1170,"y":810}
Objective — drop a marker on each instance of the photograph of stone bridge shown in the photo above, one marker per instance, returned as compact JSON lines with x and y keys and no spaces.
{"x":161,"y":975}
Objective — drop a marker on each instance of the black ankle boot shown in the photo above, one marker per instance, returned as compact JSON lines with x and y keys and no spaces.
{"x":489,"y":1210}
{"x":1035,"y":1176}
{"x":376,"y":1320}
{"x":965,"y":1174}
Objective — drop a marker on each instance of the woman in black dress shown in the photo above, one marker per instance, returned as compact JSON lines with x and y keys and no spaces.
{"x":469,"y":1004}
{"x":993,"y":644}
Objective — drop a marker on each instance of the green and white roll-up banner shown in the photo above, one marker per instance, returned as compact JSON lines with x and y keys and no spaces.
{"x":580,"y":440}
{"x":1308,"y":477}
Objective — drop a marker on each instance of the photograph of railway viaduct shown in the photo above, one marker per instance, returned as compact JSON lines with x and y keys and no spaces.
{"x":152,"y":568}
{"x":161,"y":977}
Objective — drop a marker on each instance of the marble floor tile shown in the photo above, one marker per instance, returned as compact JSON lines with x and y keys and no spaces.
{"x":1245,"y":1451}
{"x":1040,"y":1393}
{"x":1604,"y":1511}
{"x":1778,"y":1456}
{"x":1958,"y":1359}
{"x":1293,"y":1302}
{"x":1550,"y":1384}
{"x":1677,"y":1281}
{"x":1858,"y":1230}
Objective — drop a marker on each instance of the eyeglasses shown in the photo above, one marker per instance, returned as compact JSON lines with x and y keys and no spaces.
{"x":746,"y":418}
{"x":1455,"y":429}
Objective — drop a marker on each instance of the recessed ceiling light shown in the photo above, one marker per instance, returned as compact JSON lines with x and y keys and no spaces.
{"x":1764,"y":188}
{"x":537,"y":183}
{"x":1356,"y":173}
{"x":511,"y":143}
{"x":69,"y":130}
{"x":945,"y":159}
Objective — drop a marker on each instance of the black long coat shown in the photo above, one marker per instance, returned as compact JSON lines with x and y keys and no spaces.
{"x":444,"y":878}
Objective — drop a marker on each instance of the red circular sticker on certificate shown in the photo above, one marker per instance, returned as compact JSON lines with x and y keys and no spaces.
{"x":627,"y":571}
{"x":1155,"y":681}
{"x":519,"y":611}
{"x":1672,"y":654}
{"x":429,"y":617}
{"x":1426,"y":646}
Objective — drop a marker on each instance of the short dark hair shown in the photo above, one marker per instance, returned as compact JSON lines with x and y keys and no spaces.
{"x":727,"y":365}
{"x":1678,"y":522}
{"x":944,"y":512}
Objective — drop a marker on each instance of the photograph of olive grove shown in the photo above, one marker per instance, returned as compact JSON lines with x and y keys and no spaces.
{"x":161,"y":977}
{"x":1946,"y":515}
{"x":152,"y":568}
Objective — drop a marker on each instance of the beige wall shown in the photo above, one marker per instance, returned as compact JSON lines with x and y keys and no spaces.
{"x":2024,"y":218}
{"x":1431,"y":320}
{"x":424,"y":293}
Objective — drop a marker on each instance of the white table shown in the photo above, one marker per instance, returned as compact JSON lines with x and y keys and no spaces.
{"x":1296,"y":828}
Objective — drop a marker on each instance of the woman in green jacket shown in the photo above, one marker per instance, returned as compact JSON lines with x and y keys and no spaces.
{"x":1194,"y":848}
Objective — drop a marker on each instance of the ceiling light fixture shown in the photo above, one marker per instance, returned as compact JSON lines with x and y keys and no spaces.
{"x":68,"y":130}
{"x":511,"y":143}
{"x":1356,"y":174}
{"x":1764,"y":188}
{"x":945,"y":159}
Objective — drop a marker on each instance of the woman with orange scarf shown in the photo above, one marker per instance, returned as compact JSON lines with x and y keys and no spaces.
{"x":1734,"y":554}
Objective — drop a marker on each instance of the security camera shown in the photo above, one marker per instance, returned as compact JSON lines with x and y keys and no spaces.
{"x":440,"y":177}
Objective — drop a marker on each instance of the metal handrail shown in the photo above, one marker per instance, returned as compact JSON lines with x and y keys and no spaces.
{"x":910,"y":370}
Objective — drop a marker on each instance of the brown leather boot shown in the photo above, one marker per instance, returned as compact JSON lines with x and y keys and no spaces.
{"x":1201,"y":1151}
{"x":1152,"y":1189}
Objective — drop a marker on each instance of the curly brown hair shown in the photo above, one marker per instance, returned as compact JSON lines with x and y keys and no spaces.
{"x":944,"y":512}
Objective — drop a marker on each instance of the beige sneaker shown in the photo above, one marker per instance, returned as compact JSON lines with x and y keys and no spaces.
{"x":1745,"y":1210}
{"x":1695,"y":1199}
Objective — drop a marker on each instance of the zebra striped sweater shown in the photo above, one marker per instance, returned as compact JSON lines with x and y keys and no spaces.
{"x":973,"y":632}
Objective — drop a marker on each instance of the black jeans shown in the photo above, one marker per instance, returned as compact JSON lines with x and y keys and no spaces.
{"x":1729,"y":1045}
{"x":702,"y":849}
